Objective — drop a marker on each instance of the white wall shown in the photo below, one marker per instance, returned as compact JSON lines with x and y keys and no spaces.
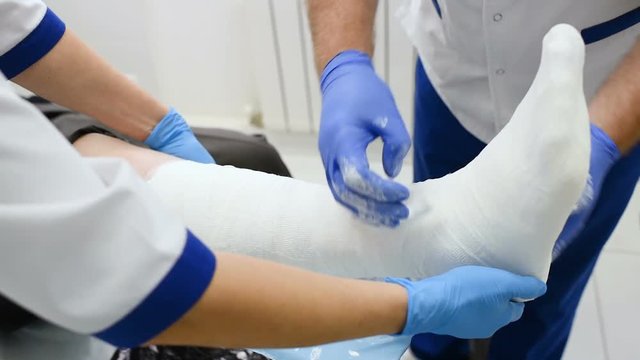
{"x":219,"y":60}
{"x":192,"y":54}
{"x":286,"y":82}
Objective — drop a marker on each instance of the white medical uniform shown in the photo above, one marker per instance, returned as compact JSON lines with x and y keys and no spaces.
{"x":482,"y":55}
{"x":85,"y":245}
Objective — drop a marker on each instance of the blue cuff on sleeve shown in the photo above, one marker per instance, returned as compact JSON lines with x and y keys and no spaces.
{"x":176,"y":294}
{"x":611,"y":27}
{"x":35,"y":46}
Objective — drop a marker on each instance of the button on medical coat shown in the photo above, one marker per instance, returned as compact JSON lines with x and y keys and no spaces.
{"x":482,"y":55}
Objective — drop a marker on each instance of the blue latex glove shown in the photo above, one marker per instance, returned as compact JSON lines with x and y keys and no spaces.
{"x":357,"y":108}
{"x":173,"y":136}
{"x":604,"y":153}
{"x":469,"y":302}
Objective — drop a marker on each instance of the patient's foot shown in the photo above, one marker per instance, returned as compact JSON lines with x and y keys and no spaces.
{"x":507,"y":207}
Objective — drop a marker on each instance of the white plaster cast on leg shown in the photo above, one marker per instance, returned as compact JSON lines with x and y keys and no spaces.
{"x":505,"y":209}
{"x":511,"y":202}
{"x":551,"y":140}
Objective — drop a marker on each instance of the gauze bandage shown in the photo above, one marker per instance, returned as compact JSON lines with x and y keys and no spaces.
{"x":505,"y":209}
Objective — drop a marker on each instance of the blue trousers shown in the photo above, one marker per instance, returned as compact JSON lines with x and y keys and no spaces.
{"x":442,"y":146}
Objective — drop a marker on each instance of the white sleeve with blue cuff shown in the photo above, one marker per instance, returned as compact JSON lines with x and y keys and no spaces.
{"x":85,"y":244}
{"x":28,"y":31}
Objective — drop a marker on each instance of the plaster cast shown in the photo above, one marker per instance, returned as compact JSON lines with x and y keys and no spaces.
{"x":505,"y":209}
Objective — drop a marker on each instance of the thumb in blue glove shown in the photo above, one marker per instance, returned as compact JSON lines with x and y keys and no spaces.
{"x":173,"y":136}
{"x":469,"y":302}
{"x":357,"y":108}
{"x":604,"y":153}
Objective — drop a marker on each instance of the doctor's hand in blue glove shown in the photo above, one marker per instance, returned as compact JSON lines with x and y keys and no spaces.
{"x":173,"y":136}
{"x":604,"y":153}
{"x":469,"y":302}
{"x":357,"y":107}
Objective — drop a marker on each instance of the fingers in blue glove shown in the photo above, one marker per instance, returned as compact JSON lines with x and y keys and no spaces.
{"x":517,"y":309}
{"x":376,"y":200}
{"x":372,"y":211}
{"x":397,"y":143}
{"x":523,"y":287}
{"x":358,"y":178}
{"x":604,"y":154}
{"x":357,"y":108}
{"x":467,"y":302}
{"x":173,"y":136}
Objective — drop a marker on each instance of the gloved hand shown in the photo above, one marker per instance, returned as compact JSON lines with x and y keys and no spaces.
{"x":469,"y":302}
{"x":173,"y":136}
{"x":358,"y":107}
{"x":604,"y":153}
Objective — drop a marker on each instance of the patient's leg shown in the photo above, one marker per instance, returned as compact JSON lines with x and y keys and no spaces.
{"x":144,"y":161}
{"x":547,"y":140}
{"x":503,"y":210}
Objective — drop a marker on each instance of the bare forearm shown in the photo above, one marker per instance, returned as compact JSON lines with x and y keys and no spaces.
{"x":255,"y":303}
{"x":616,"y":106}
{"x":338,"y":25}
{"x":76,"y":77}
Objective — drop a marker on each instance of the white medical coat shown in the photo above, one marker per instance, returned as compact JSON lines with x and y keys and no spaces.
{"x":482,"y":55}
{"x":85,"y":245}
